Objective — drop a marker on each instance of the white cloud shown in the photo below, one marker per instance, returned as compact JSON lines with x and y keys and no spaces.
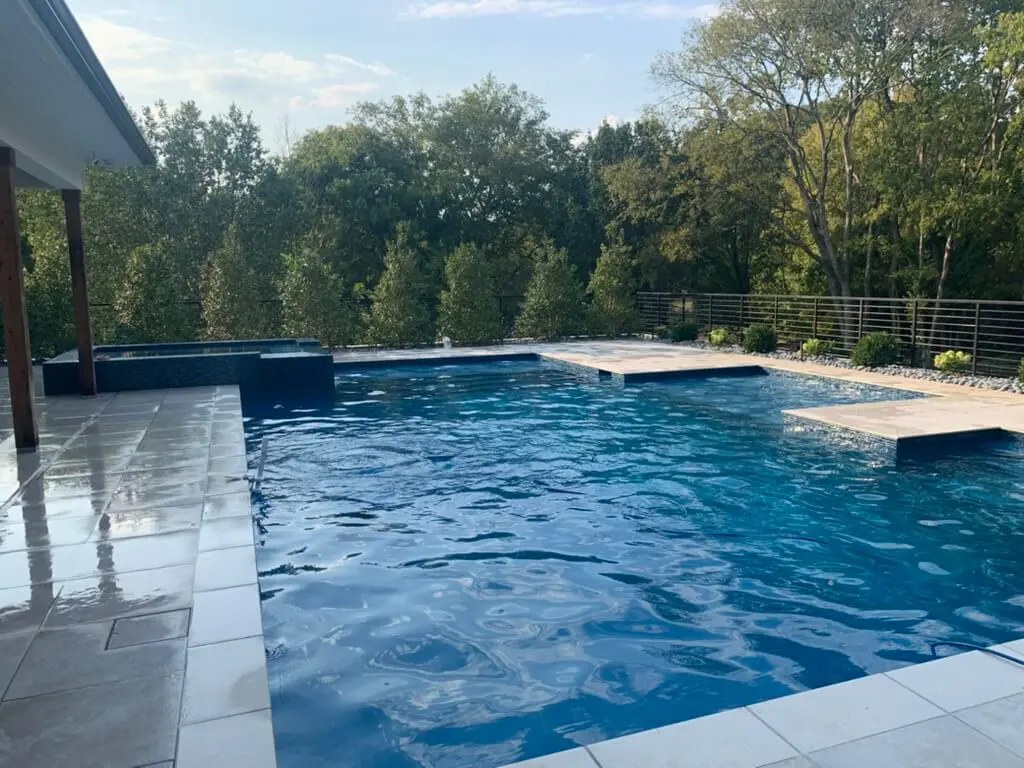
{"x":649,"y":9}
{"x":146,"y":67}
{"x":117,"y":42}
{"x":376,"y":68}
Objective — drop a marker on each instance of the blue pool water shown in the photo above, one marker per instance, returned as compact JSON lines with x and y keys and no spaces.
{"x":467,"y":566}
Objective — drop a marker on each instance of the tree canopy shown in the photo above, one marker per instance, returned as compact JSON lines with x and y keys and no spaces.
{"x":840,"y":148}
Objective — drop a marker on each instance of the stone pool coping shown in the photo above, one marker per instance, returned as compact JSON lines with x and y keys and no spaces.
{"x":963,"y":710}
{"x":950,"y":414}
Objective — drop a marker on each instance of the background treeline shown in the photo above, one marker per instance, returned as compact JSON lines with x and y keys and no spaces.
{"x":842,"y":147}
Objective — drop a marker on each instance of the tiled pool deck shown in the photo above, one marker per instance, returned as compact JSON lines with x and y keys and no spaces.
{"x":130,"y":629}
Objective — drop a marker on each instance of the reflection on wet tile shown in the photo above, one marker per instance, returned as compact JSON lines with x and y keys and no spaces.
{"x":223,"y":568}
{"x":75,"y":657}
{"x":226,"y":614}
{"x":84,"y":506}
{"x":220,"y":485}
{"x":229,"y":505}
{"x":231,"y":465}
{"x":12,"y":649}
{"x":224,"y":450}
{"x":102,"y":557}
{"x":225,"y":679}
{"x":117,"y":524}
{"x":46,"y":489}
{"x":18,"y":534}
{"x":24,"y":608}
{"x":242,"y":741}
{"x":153,"y":627}
{"x":121,"y":724}
{"x":223,"y":532}
{"x":170,"y":495}
{"x":126,"y":594}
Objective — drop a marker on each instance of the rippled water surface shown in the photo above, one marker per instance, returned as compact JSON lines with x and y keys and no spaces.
{"x":468,"y":566}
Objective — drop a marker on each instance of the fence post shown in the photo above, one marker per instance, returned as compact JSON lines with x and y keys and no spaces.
{"x":814,"y":319}
{"x":775,"y":314}
{"x":913,"y":331}
{"x":711,"y":312}
{"x":974,"y":346}
{"x":742,"y":306}
{"x":860,"y":320}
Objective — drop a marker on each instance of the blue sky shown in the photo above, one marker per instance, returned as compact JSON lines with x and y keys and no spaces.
{"x":310,"y":60}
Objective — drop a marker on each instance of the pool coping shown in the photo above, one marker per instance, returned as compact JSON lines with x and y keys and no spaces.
{"x":959,"y":705}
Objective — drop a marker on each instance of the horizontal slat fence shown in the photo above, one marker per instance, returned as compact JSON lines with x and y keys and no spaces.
{"x":992,"y":332}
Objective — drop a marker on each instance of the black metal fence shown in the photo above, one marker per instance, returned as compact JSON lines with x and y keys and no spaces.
{"x":992,"y":332}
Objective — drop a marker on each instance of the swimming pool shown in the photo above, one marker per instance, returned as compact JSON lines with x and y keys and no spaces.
{"x":468,"y":566}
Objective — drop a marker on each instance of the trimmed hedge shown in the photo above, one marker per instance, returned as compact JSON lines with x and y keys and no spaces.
{"x":875,"y":349}
{"x":760,"y":338}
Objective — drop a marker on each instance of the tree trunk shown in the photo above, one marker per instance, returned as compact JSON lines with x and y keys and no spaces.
{"x":868,"y":259}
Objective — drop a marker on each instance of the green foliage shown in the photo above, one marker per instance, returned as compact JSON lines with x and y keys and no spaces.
{"x":875,"y":349}
{"x":1020,"y":371}
{"x":952,"y":361}
{"x":815,"y":348}
{"x":613,"y":290}
{"x":759,"y":338}
{"x":399,"y":314}
{"x":232,"y":304}
{"x":683,"y":330}
{"x":315,"y":304}
{"x":719,"y":337}
{"x":468,"y":310}
{"x":553,"y":307}
{"x":150,"y":304}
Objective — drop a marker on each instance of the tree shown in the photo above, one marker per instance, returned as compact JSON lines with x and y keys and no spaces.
{"x":399,"y":313}
{"x":232,"y":305}
{"x":807,"y":67}
{"x":553,"y":306}
{"x":468,"y":309}
{"x":314,"y":301}
{"x":150,"y":305}
{"x":613,"y":290}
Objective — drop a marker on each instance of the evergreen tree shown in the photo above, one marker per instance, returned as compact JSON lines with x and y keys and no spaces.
{"x":232,"y":306}
{"x":150,"y":305}
{"x":399,"y":314}
{"x":314,"y":303}
{"x":553,"y":306}
{"x":469,"y":310}
{"x":613,"y":289}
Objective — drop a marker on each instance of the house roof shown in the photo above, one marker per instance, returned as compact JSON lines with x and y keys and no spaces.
{"x":59,"y":109}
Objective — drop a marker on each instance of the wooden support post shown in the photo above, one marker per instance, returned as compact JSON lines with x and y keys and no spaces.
{"x":12,"y":299}
{"x":79,"y":291}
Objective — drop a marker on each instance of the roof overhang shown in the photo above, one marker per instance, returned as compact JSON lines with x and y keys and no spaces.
{"x":58,"y":109}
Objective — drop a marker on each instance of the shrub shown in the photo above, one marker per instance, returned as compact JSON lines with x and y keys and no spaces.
{"x":952,"y":361}
{"x":661,"y":332}
{"x":553,"y":306}
{"x":1020,"y":371}
{"x":759,"y":338}
{"x":875,"y":349}
{"x":613,"y":288}
{"x":719,"y":337}
{"x":815,"y":348}
{"x":468,"y":310}
{"x":683,"y":330}
{"x":398,"y":314}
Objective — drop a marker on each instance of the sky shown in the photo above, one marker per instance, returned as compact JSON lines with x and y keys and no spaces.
{"x":306,"y":62}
